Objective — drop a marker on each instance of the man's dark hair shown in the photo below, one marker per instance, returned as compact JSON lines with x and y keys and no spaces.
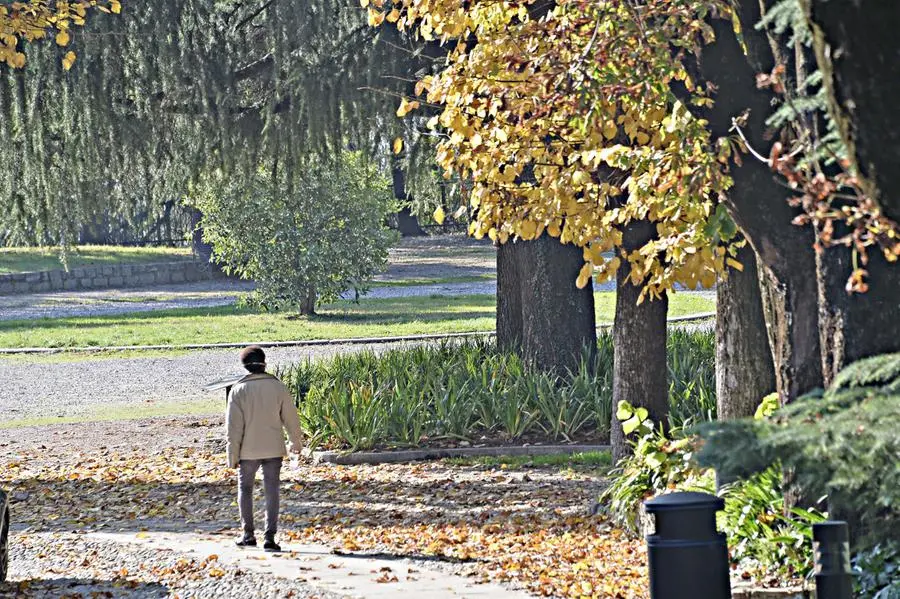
{"x":254,"y":359}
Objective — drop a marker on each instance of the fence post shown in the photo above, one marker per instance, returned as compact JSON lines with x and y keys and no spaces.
{"x":831,"y":544}
{"x":687,"y":556}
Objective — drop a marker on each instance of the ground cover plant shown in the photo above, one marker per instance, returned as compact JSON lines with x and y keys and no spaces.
{"x":28,"y":259}
{"x":472,"y":392}
{"x":766,"y":537}
{"x":340,"y":320}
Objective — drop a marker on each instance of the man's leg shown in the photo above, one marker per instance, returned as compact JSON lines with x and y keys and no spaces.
{"x":246,"y":475}
{"x":272,"y":482}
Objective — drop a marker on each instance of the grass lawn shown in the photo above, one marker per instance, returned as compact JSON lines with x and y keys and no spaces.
{"x":368,"y":318}
{"x":47,"y":258}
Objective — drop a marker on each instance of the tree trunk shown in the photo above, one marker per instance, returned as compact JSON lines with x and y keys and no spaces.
{"x":858,"y":52}
{"x":539,"y":308}
{"x":201,"y":249}
{"x":859,"y":325}
{"x":308,"y":307}
{"x":640,"y":373}
{"x":407,"y":223}
{"x":744,"y":368}
{"x":758,"y":204}
{"x":509,"y":296}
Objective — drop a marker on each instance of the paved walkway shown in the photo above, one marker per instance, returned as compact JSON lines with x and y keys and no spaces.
{"x":316,"y":565}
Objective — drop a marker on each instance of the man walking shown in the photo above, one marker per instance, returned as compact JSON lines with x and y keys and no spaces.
{"x":260,"y":408}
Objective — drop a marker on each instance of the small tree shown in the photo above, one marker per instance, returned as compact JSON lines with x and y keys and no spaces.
{"x":303,"y":240}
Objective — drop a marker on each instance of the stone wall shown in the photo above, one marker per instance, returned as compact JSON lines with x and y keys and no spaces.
{"x":109,"y":276}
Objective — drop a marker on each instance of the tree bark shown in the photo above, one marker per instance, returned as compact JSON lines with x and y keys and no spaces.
{"x":509,"y":296}
{"x":640,"y":372}
{"x":744,"y":368}
{"x":308,"y":307}
{"x":859,"y":325}
{"x":540,"y":311}
{"x":858,"y":52}
{"x":758,"y":204}
{"x":407,"y":223}
{"x":201,"y":249}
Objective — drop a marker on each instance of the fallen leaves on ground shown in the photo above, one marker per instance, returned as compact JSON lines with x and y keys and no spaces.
{"x":526,"y":527}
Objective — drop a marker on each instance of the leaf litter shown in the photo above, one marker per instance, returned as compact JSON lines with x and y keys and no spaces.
{"x":527,"y":529}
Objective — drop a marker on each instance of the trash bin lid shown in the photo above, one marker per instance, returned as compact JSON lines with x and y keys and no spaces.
{"x":223,"y":382}
{"x":686,"y":500}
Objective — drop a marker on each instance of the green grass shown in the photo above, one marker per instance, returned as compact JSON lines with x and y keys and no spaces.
{"x":125,"y":412}
{"x":47,"y":258}
{"x":231,"y":324}
{"x":590,"y":459}
{"x":435,"y":281}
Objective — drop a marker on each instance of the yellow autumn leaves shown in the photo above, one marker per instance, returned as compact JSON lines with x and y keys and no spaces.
{"x":566,"y":124}
{"x":33,"y":20}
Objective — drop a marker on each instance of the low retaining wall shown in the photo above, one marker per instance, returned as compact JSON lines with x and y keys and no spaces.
{"x":108,"y":276}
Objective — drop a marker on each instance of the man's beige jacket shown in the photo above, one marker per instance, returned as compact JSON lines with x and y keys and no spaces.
{"x":260,"y":407}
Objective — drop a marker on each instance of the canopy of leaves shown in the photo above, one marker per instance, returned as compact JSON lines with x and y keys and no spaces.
{"x":311,"y":236}
{"x":36,"y":19}
{"x":553,"y":112}
{"x":842,"y":444}
{"x":170,"y":90}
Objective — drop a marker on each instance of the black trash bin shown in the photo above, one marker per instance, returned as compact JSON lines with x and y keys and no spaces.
{"x":688,"y":557}
{"x":4,"y":535}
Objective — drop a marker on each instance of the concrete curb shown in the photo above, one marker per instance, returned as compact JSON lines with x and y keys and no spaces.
{"x":396,"y":457}
{"x":295,"y":343}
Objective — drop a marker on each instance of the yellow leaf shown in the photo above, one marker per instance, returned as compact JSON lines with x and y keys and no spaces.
{"x":584,"y":276}
{"x":62,"y":38}
{"x":376,"y":17}
{"x":393,"y":16}
{"x":398,"y":145}
{"x":68,"y":60}
{"x":406,"y":107}
{"x":364,"y":3}
{"x":439,"y":215}
{"x":735,"y":264}
{"x":115,"y":6}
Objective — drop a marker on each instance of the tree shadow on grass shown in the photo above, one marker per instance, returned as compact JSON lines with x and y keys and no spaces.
{"x":81,"y":587}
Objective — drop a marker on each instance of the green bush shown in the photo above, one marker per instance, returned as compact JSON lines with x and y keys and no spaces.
{"x":304,"y":238}
{"x":468,"y":390}
{"x":763,"y":536}
{"x":842,"y":444}
{"x":877,"y":571}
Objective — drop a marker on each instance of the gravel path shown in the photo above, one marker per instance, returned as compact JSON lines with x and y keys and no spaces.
{"x":45,"y":388}
{"x":99,"y":568}
{"x":57,"y":304}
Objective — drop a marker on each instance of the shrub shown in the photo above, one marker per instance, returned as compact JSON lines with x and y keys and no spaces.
{"x":466,"y":391}
{"x":841,"y":444}
{"x":303,"y":240}
{"x":762,"y":536}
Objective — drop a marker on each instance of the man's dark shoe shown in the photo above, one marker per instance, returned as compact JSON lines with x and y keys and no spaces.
{"x":271,"y":546}
{"x":246,"y":542}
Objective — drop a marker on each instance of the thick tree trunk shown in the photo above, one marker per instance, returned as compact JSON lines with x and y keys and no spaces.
{"x":758,"y":204}
{"x":859,"y":325}
{"x":858,"y":52}
{"x":640,"y":373}
{"x":509,"y":296}
{"x":558,"y":321}
{"x":744,"y":368}
{"x":539,"y":308}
